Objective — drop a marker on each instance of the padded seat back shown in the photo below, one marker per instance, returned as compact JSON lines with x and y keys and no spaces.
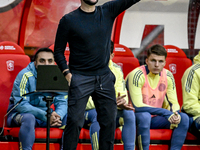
{"x":125,"y":58}
{"x":12,"y":60}
{"x":177,"y":62}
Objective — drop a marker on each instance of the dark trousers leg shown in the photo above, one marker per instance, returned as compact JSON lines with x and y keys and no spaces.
{"x":105,"y":103}
{"x":179,"y":133}
{"x":195,"y":127}
{"x":80,"y":89}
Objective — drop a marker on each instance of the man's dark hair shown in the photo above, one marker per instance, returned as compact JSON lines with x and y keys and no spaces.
{"x":111,"y":47}
{"x":44,"y":49}
{"x":157,"y":50}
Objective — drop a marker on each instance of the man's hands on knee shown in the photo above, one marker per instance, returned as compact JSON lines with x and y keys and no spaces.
{"x":55,"y":119}
{"x":175,"y":118}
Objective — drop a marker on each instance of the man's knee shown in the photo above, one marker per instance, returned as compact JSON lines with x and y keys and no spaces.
{"x":106,"y":121}
{"x":107,"y":116}
{"x":129,"y":116}
{"x":91,"y":115}
{"x":184,"y":120}
{"x":75,"y":121}
{"x":143,"y":119}
{"x":26,"y":119}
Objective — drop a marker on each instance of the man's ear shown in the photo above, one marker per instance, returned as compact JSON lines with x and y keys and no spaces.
{"x":146,"y":60}
{"x":112,"y":56}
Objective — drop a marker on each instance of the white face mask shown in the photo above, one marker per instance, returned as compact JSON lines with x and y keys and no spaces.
{"x":89,"y":2}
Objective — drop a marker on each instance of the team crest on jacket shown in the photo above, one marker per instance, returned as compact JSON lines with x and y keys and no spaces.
{"x":172,"y":68}
{"x":10,"y":65}
{"x":162,"y":87}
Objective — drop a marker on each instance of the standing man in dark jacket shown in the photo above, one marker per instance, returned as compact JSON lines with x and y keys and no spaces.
{"x":88,"y":32}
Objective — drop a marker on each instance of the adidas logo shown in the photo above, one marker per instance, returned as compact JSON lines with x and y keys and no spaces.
{"x":153,"y":96}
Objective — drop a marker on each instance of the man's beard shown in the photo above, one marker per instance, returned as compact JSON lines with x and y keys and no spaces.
{"x":89,"y":2}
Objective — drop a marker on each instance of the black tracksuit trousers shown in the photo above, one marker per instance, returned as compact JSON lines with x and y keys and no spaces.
{"x":102,"y":90}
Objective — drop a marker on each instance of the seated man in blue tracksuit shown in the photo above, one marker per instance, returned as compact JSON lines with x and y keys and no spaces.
{"x":125,"y":113}
{"x":31,"y":112}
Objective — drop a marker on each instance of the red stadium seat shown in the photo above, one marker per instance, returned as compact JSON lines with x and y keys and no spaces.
{"x":177,"y":62}
{"x":40,"y":134}
{"x":125,"y":58}
{"x":85,"y":136}
{"x":12,"y":60}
